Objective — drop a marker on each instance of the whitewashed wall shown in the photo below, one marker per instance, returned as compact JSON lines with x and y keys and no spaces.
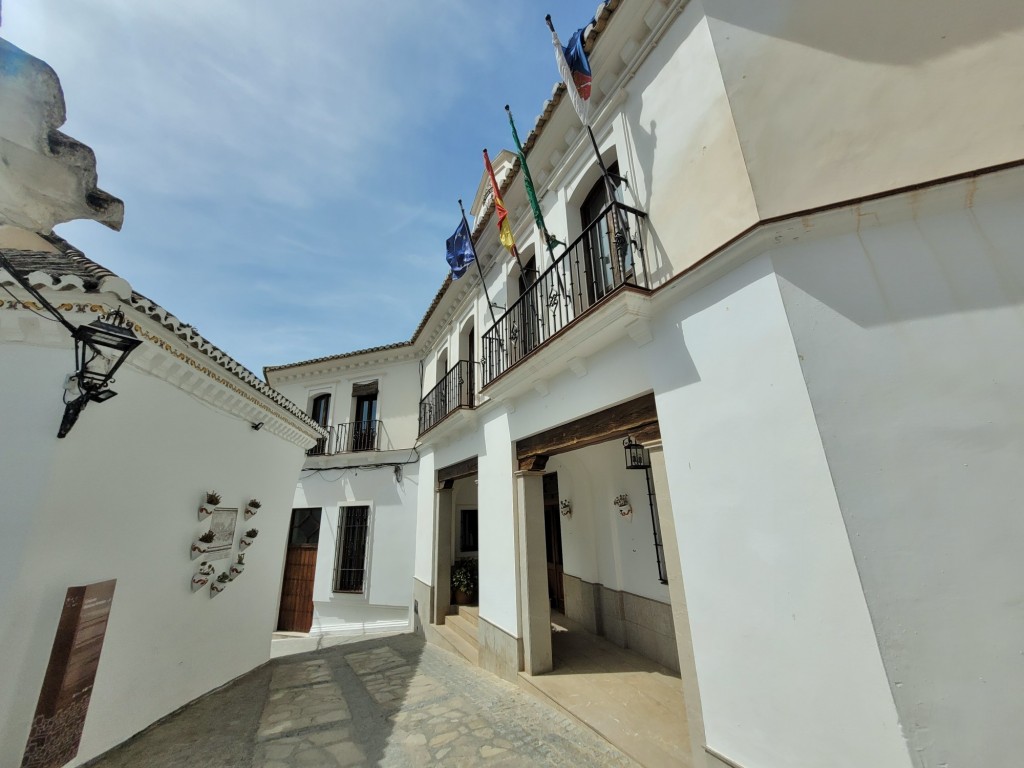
{"x":390,"y":546}
{"x":397,"y":398}
{"x":117,"y":499}
{"x":598,"y":544}
{"x":909,"y":337}
{"x":786,"y":657}
{"x":881,"y":94}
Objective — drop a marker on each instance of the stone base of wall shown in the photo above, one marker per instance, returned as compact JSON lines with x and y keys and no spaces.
{"x":500,"y":653}
{"x":630,"y":621}
{"x":422,"y":599}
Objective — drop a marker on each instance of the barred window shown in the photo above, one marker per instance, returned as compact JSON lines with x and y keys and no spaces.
{"x":350,"y":558}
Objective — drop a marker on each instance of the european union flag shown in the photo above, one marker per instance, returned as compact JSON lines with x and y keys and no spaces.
{"x":460,"y":250}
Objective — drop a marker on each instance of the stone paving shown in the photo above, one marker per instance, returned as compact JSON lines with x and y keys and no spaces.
{"x":391,"y":702}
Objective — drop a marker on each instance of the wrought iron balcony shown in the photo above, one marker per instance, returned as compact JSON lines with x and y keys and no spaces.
{"x":350,"y":437}
{"x":456,"y":390}
{"x":608,"y":255}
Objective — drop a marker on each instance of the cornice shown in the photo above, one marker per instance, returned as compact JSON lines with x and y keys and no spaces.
{"x":163,"y":355}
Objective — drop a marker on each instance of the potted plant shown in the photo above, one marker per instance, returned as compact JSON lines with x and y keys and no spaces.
{"x":220,"y":584}
{"x":247,"y":539}
{"x":210,"y":500}
{"x":252,"y":508}
{"x":201,"y":545}
{"x":202,"y":577}
{"x":464,"y":580}
{"x":622,"y":502}
{"x":236,"y":568}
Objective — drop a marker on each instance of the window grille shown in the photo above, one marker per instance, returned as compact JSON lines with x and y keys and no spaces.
{"x":350,"y":559}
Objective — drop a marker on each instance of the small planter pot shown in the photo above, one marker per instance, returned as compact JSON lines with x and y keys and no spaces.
{"x":199,"y":548}
{"x":217,"y":587}
{"x":245,"y":543}
{"x":206,"y":569}
{"x":236,"y":570}
{"x":250,"y":512}
{"x":205,"y":511}
{"x":199,"y":581}
{"x":462,"y":598}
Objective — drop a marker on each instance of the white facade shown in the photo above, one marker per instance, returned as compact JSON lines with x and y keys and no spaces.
{"x":362,"y":464}
{"x":118,"y":499}
{"x":833,"y":286}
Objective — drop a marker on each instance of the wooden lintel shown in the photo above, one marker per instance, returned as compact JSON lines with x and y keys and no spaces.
{"x":455,"y":471}
{"x":631,"y":418}
{"x":647,"y":434}
{"x":534,"y":463}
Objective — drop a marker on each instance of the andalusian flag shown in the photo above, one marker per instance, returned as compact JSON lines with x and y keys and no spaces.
{"x":531,"y":192}
{"x":575,"y":70}
{"x":500,"y":211}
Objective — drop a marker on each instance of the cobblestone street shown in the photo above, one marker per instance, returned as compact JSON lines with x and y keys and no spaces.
{"x":386,"y":702}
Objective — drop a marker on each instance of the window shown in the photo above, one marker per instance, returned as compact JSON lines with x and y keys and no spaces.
{"x":364,"y":426}
{"x":319,"y":411}
{"x":350,"y":558}
{"x":605,"y":268}
{"x":468,"y":536}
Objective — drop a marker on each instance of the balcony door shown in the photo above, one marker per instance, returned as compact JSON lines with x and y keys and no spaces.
{"x":603,"y":268}
{"x":364,"y":427}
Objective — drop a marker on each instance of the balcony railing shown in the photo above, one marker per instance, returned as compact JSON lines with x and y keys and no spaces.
{"x":606,"y":256}
{"x":456,"y":390}
{"x":349,"y":438}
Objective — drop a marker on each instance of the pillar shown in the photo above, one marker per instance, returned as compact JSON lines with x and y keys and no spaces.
{"x":442,"y":553}
{"x":677,"y":595}
{"x":533,"y":573}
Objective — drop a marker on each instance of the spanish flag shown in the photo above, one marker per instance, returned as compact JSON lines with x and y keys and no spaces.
{"x":500,"y":211}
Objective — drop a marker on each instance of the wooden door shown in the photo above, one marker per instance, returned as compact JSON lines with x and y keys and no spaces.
{"x":553,"y":536}
{"x":296,"y":613}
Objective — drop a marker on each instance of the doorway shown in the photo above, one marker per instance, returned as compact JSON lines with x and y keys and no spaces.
{"x":553,"y":538}
{"x":296,"y":611}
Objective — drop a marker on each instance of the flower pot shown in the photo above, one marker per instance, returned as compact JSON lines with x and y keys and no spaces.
{"x":199,"y":548}
{"x":205,"y":510}
{"x":462,"y":598}
{"x":206,"y":569}
{"x":217,"y":587}
{"x":250,"y":512}
{"x":199,"y":581}
{"x":236,"y":570}
{"x":245,"y":543}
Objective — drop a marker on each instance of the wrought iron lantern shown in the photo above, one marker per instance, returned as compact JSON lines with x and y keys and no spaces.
{"x":637,"y":457}
{"x":100,"y":349}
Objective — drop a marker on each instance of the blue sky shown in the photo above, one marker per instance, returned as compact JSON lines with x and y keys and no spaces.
{"x":290,"y":171}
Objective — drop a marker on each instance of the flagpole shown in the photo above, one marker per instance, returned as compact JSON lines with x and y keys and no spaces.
{"x":543,"y":227}
{"x":620,"y":218}
{"x":472,"y":247}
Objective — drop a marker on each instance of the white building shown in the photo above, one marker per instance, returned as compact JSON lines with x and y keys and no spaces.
{"x":811,"y":324}
{"x":118,"y":497}
{"x":351,"y":541}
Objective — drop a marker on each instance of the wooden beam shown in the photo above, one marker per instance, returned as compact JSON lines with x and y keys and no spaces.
{"x":535,"y":463}
{"x":634,"y":417}
{"x":645,"y":435}
{"x":455,"y":471}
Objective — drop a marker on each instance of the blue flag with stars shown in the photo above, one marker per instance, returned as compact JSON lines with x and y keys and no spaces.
{"x":460,"y":250}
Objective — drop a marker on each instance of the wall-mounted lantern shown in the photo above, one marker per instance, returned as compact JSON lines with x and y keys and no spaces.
{"x":637,"y":457}
{"x":100,"y":349}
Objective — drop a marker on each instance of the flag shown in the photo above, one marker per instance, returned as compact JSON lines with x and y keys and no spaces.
{"x":500,"y":211}
{"x":531,"y":193}
{"x":460,"y":250}
{"x":575,"y":70}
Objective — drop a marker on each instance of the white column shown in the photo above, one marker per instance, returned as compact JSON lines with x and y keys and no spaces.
{"x":442,"y":555}
{"x":533,"y":572}
{"x":677,"y":595}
